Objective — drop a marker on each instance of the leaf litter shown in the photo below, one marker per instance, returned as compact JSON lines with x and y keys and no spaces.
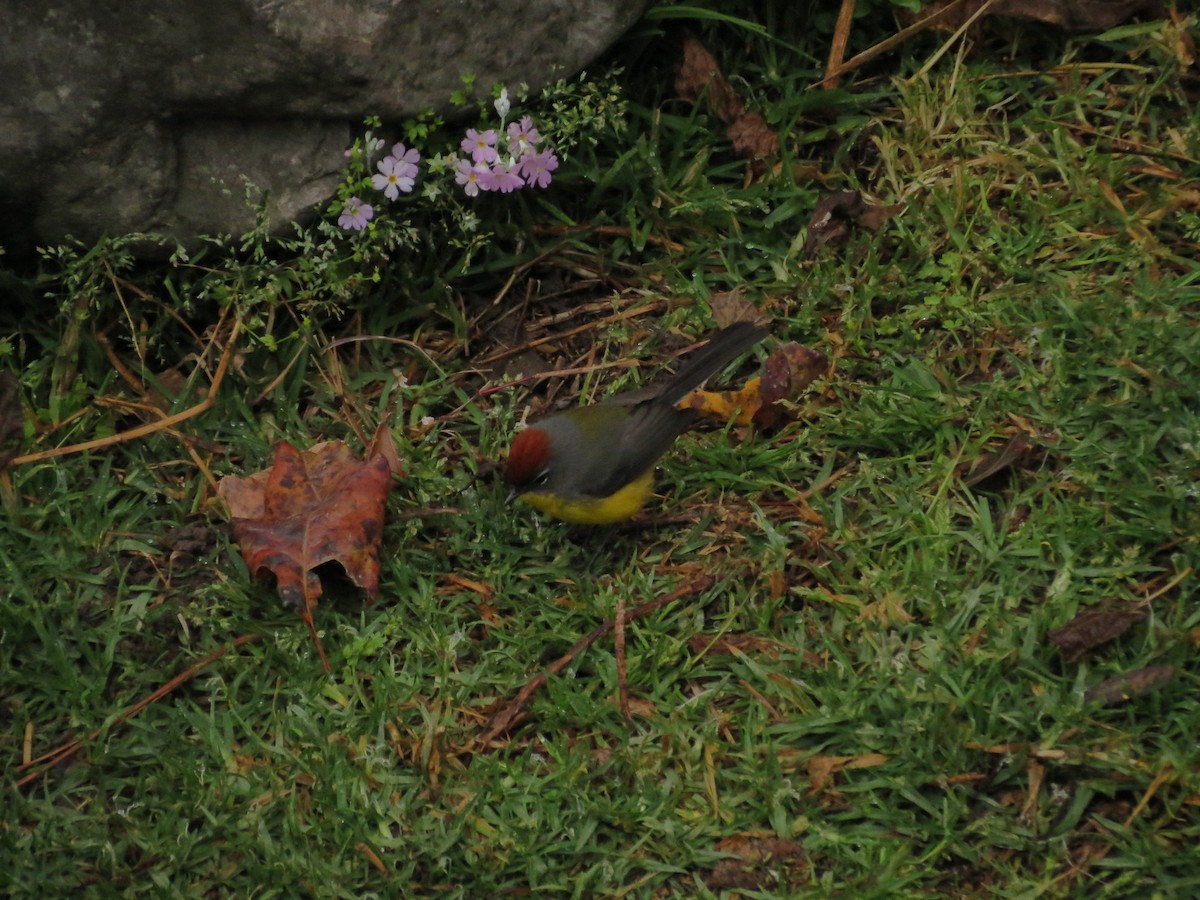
{"x":313,"y":507}
{"x":700,"y":78}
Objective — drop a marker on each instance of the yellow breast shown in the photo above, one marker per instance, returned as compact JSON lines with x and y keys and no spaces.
{"x":617,"y":507}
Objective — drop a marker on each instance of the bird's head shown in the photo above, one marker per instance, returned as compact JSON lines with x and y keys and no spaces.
{"x":529,"y":460}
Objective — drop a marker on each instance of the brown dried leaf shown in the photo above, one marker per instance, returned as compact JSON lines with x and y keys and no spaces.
{"x":732,"y":306}
{"x":1094,"y":627}
{"x":786,"y":373}
{"x":791,"y":369}
{"x":758,"y":860}
{"x":698,"y":72}
{"x":322,"y":505}
{"x":836,"y":213}
{"x":1132,"y":684}
{"x":753,"y":138}
{"x":821,"y":769}
{"x":699,"y":75}
{"x":462,"y":582}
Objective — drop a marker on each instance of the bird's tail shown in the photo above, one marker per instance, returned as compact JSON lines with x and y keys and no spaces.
{"x":710,"y":359}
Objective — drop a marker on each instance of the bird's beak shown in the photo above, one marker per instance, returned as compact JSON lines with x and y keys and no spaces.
{"x":512,"y":495}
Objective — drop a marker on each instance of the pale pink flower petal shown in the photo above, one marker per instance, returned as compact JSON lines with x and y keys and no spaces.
{"x":504,"y":179}
{"x":482,"y":147}
{"x":536,"y":167}
{"x":355,"y":215}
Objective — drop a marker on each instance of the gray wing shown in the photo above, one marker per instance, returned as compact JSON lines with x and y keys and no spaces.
{"x":646,"y":434}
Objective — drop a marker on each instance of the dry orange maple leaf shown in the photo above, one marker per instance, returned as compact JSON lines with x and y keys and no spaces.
{"x":312,"y":507}
{"x":785,"y":374}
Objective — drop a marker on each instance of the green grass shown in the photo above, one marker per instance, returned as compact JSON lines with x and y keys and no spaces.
{"x":892,"y":714}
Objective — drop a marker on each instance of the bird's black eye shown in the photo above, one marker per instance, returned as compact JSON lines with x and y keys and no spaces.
{"x":542,"y":477}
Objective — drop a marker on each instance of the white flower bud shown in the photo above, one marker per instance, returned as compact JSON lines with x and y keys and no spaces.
{"x":502,"y":105}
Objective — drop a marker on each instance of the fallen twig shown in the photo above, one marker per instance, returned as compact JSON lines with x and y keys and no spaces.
{"x":163,"y":424}
{"x":508,"y":715}
{"x":834,"y":71}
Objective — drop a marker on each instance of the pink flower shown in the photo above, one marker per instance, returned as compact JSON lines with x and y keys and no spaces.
{"x":482,"y":147}
{"x":397,"y":172}
{"x":355,"y":215}
{"x":522,"y":137}
{"x":504,"y":179}
{"x":536,"y":167}
{"x":474,"y":177}
{"x":409,"y":157}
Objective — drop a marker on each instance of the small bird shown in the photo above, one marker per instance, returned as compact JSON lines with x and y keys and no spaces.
{"x":594,"y":465}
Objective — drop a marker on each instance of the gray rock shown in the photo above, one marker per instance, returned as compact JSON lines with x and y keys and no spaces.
{"x":150,"y":115}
